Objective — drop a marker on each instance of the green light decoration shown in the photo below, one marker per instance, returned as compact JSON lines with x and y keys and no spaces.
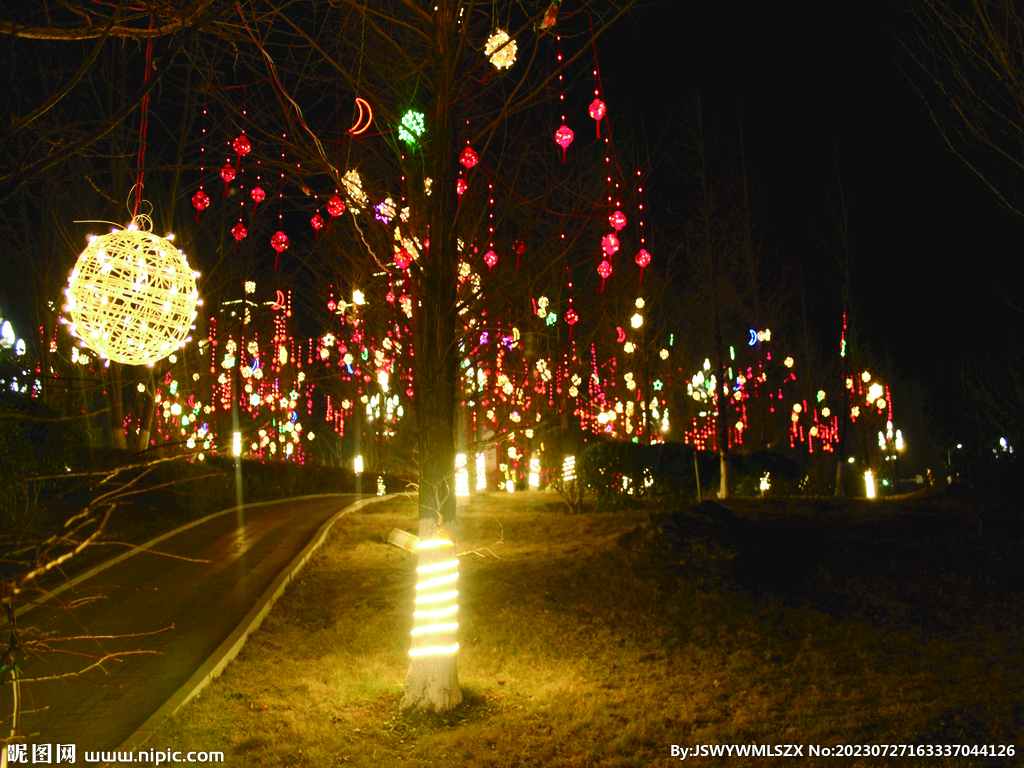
{"x":732,"y":356}
{"x":552,"y":318}
{"x":657,"y":385}
{"x":412,"y":126}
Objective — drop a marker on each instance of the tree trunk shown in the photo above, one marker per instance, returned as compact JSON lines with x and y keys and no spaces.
{"x":146,"y":423}
{"x":116,"y":411}
{"x":432,"y":682}
{"x":723,"y":488}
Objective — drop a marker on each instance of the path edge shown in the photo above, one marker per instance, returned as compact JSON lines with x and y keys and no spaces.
{"x":234,"y":642}
{"x":134,"y":549}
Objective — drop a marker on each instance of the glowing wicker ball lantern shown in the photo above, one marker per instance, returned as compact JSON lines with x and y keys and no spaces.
{"x":501,"y":49}
{"x":132,"y":297}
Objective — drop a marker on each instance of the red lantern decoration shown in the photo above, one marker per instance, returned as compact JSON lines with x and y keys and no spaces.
{"x":258,"y":196}
{"x":469,"y":157}
{"x":563,"y":137}
{"x":643,"y":258}
{"x":604,"y":269}
{"x":200,"y":200}
{"x":390,"y":297}
{"x":241,"y":145}
{"x":610,"y":244}
{"x":278,"y":242}
{"x":228,"y":174}
{"x":403,"y":258}
{"x":460,"y":187}
{"x":597,"y":111}
{"x":490,"y":259}
{"x":238,"y":232}
{"x":335,"y":207}
{"x":316,"y":222}
{"x":617,"y":220}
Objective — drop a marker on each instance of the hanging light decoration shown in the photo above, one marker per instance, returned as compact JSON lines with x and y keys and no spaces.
{"x":490,"y":259}
{"x":238,"y":232}
{"x":617,"y":220}
{"x":610,"y":244}
{"x":228,"y":174}
{"x":242,"y":146}
{"x":316,"y":222}
{"x":501,"y":49}
{"x":335,"y":207}
{"x":604,"y":269}
{"x":132,"y":296}
{"x":403,"y":259}
{"x":412,"y":127}
{"x":643,"y":258}
{"x":469,"y":157}
{"x":279,"y":242}
{"x":563,"y":137}
{"x":597,"y":111}
{"x":258,"y":196}
{"x":200,"y":200}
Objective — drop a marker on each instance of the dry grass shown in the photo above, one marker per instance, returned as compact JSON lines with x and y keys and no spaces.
{"x":579,"y":652}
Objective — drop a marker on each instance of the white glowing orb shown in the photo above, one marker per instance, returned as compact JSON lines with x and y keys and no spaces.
{"x":132,"y":297}
{"x":506,"y":56}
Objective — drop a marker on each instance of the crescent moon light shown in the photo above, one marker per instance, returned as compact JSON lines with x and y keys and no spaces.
{"x":753,"y":338}
{"x":365,"y":110}
{"x":622,"y":334}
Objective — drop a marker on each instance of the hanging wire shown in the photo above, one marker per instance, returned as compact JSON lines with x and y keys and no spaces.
{"x":273,"y":71}
{"x":143,"y":124}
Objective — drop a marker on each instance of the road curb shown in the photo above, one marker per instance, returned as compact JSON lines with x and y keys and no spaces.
{"x":234,"y":642}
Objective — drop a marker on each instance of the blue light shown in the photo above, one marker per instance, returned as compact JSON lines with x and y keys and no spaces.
{"x":753,"y":338}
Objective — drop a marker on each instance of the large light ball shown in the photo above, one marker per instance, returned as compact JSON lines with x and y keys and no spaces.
{"x":501,"y":49}
{"x":132,"y":297}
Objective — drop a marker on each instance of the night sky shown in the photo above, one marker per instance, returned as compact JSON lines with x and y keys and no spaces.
{"x":931,"y":243}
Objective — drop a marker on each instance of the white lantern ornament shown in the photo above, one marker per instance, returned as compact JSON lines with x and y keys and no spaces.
{"x":132,"y":295}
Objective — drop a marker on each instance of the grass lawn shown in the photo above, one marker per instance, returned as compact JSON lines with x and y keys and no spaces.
{"x":587,"y":640}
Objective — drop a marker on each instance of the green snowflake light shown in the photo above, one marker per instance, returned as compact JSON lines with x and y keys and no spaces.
{"x":412,"y":126}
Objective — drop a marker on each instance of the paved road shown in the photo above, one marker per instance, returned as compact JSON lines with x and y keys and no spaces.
{"x":203,"y":602}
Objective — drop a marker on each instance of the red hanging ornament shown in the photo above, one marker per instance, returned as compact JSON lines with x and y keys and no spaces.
{"x":390,"y":297}
{"x":617,"y":220}
{"x":241,"y":145}
{"x":610,"y":244}
{"x":469,"y":157}
{"x":643,"y":258}
{"x":403,"y":258}
{"x":200,"y":200}
{"x":316,"y":222}
{"x":563,"y":137}
{"x":238,"y":232}
{"x":490,"y":259}
{"x":520,"y":247}
{"x":460,"y":187}
{"x":278,"y":242}
{"x":258,"y":196}
{"x":335,"y":207}
{"x":571,"y":318}
{"x":228,"y":174}
{"x":597,"y":111}
{"x":604,"y":269}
